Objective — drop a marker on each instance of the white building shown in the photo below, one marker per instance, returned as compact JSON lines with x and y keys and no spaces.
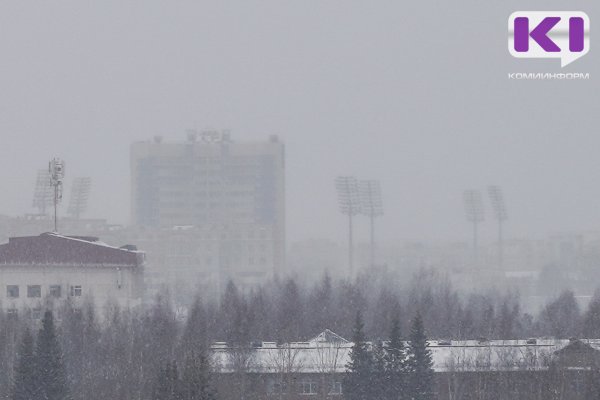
{"x":318,"y":367}
{"x":329,"y":352}
{"x":40,"y":271}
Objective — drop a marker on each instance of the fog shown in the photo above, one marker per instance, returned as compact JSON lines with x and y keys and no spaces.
{"x":220,"y":266}
{"x":414,"y":94}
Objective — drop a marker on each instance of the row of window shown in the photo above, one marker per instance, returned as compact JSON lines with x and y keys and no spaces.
{"x":13,"y":292}
{"x":36,"y":313}
{"x":305,"y":387}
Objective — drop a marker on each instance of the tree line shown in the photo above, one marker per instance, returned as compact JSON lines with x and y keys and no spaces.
{"x":161,"y":352}
{"x":40,"y":372}
{"x":286,"y":310}
{"x":390,"y":370}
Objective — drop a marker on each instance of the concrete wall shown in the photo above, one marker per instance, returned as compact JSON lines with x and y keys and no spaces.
{"x":101,"y":284}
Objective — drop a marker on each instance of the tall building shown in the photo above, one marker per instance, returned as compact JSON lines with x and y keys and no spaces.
{"x":226,"y":199}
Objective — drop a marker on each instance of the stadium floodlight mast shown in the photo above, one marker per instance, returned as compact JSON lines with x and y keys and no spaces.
{"x":349,"y":201}
{"x":474,"y":214}
{"x":56,"y":170}
{"x":371,"y":206}
{"x":42,"y":195}
{"x":499,"y":207}
{"x":80,"y":193}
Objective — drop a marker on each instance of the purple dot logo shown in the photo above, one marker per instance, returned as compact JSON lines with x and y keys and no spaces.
{"x":549,"y":34}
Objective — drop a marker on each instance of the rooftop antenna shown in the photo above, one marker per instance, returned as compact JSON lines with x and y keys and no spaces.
{"x":80,"y":193}
{"x":371,"y":206}
{"x":499,"y":207}
{"x":349,"y":201}
{"x":56,"y":171}
{"x":42,"y":195}
{"x":474,"y":214}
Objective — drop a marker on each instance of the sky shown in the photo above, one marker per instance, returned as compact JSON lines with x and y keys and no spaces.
{"x":414,"y":94}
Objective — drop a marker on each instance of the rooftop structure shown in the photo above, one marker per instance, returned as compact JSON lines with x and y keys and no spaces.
{"x":448,"y":355}
{"x":55,"y":249}
{"x":527,"y":369}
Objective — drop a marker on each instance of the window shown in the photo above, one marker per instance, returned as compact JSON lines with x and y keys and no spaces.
{"x":12,"y":291}
{"x":275,"y":386}
{"x":335,"y":388}
{"x":55,"y":291}
{"x":577,"y":383}
{"x":76,"y":291}
{"x":307,"y":386}
{"x":12,"y":313}
{"x":36,"y":313}
{"x":77,"y":314}
{"x":34,"y":291}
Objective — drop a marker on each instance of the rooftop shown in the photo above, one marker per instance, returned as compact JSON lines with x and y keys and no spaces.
{"x":330,"y":352}
{"x":55,"y":249}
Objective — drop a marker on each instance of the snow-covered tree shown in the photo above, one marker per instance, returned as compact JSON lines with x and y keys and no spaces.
{"x":358,"y":381}
{"x":167,"y":385}
{"x":420,"y":378}
{"x":561,"y":317}
{"x":25,"y":385}
{"x":195,"y":378}
{"x":395,"y":364}
{"x":50,"y":370}
{"x":591,"y":318}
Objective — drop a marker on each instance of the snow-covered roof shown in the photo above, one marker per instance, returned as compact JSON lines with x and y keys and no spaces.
{"x":328,"y":336}
{"x":55,"y":249}
{"x":327,"y":353}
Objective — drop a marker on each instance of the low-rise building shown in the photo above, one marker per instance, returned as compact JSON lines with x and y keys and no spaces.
{"x":37,"y":272}
{"x":467,"y":369}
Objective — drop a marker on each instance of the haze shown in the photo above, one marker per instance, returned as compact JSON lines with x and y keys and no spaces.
{"x":413,"y":94}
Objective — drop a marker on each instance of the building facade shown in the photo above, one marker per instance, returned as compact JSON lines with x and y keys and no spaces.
{"x":223,"y":198}
{"x":533,"y":369}
{"x":38,"y":272}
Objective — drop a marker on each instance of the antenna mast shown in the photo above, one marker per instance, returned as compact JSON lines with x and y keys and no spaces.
{"x":56,"y":169}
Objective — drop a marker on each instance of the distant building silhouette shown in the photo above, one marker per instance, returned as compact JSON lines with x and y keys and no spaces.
{"x":225,"y":200}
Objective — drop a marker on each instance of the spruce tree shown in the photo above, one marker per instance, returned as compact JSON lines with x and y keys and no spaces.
{"x":195,"y":333}
{"x":360,"y":368}
{"x":50,"y":370}
{"x":25,"y":382}
{"x":195,"y":380}
{"x":378,"y":381}
{"x":195,"y":377}
{"x":168,"y":385}
{"x":175,"y":383}
{"x":591,"y":319}
{"x":395,"y":364}
{"x":420,"y":363}
{"x":162,"y":387}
